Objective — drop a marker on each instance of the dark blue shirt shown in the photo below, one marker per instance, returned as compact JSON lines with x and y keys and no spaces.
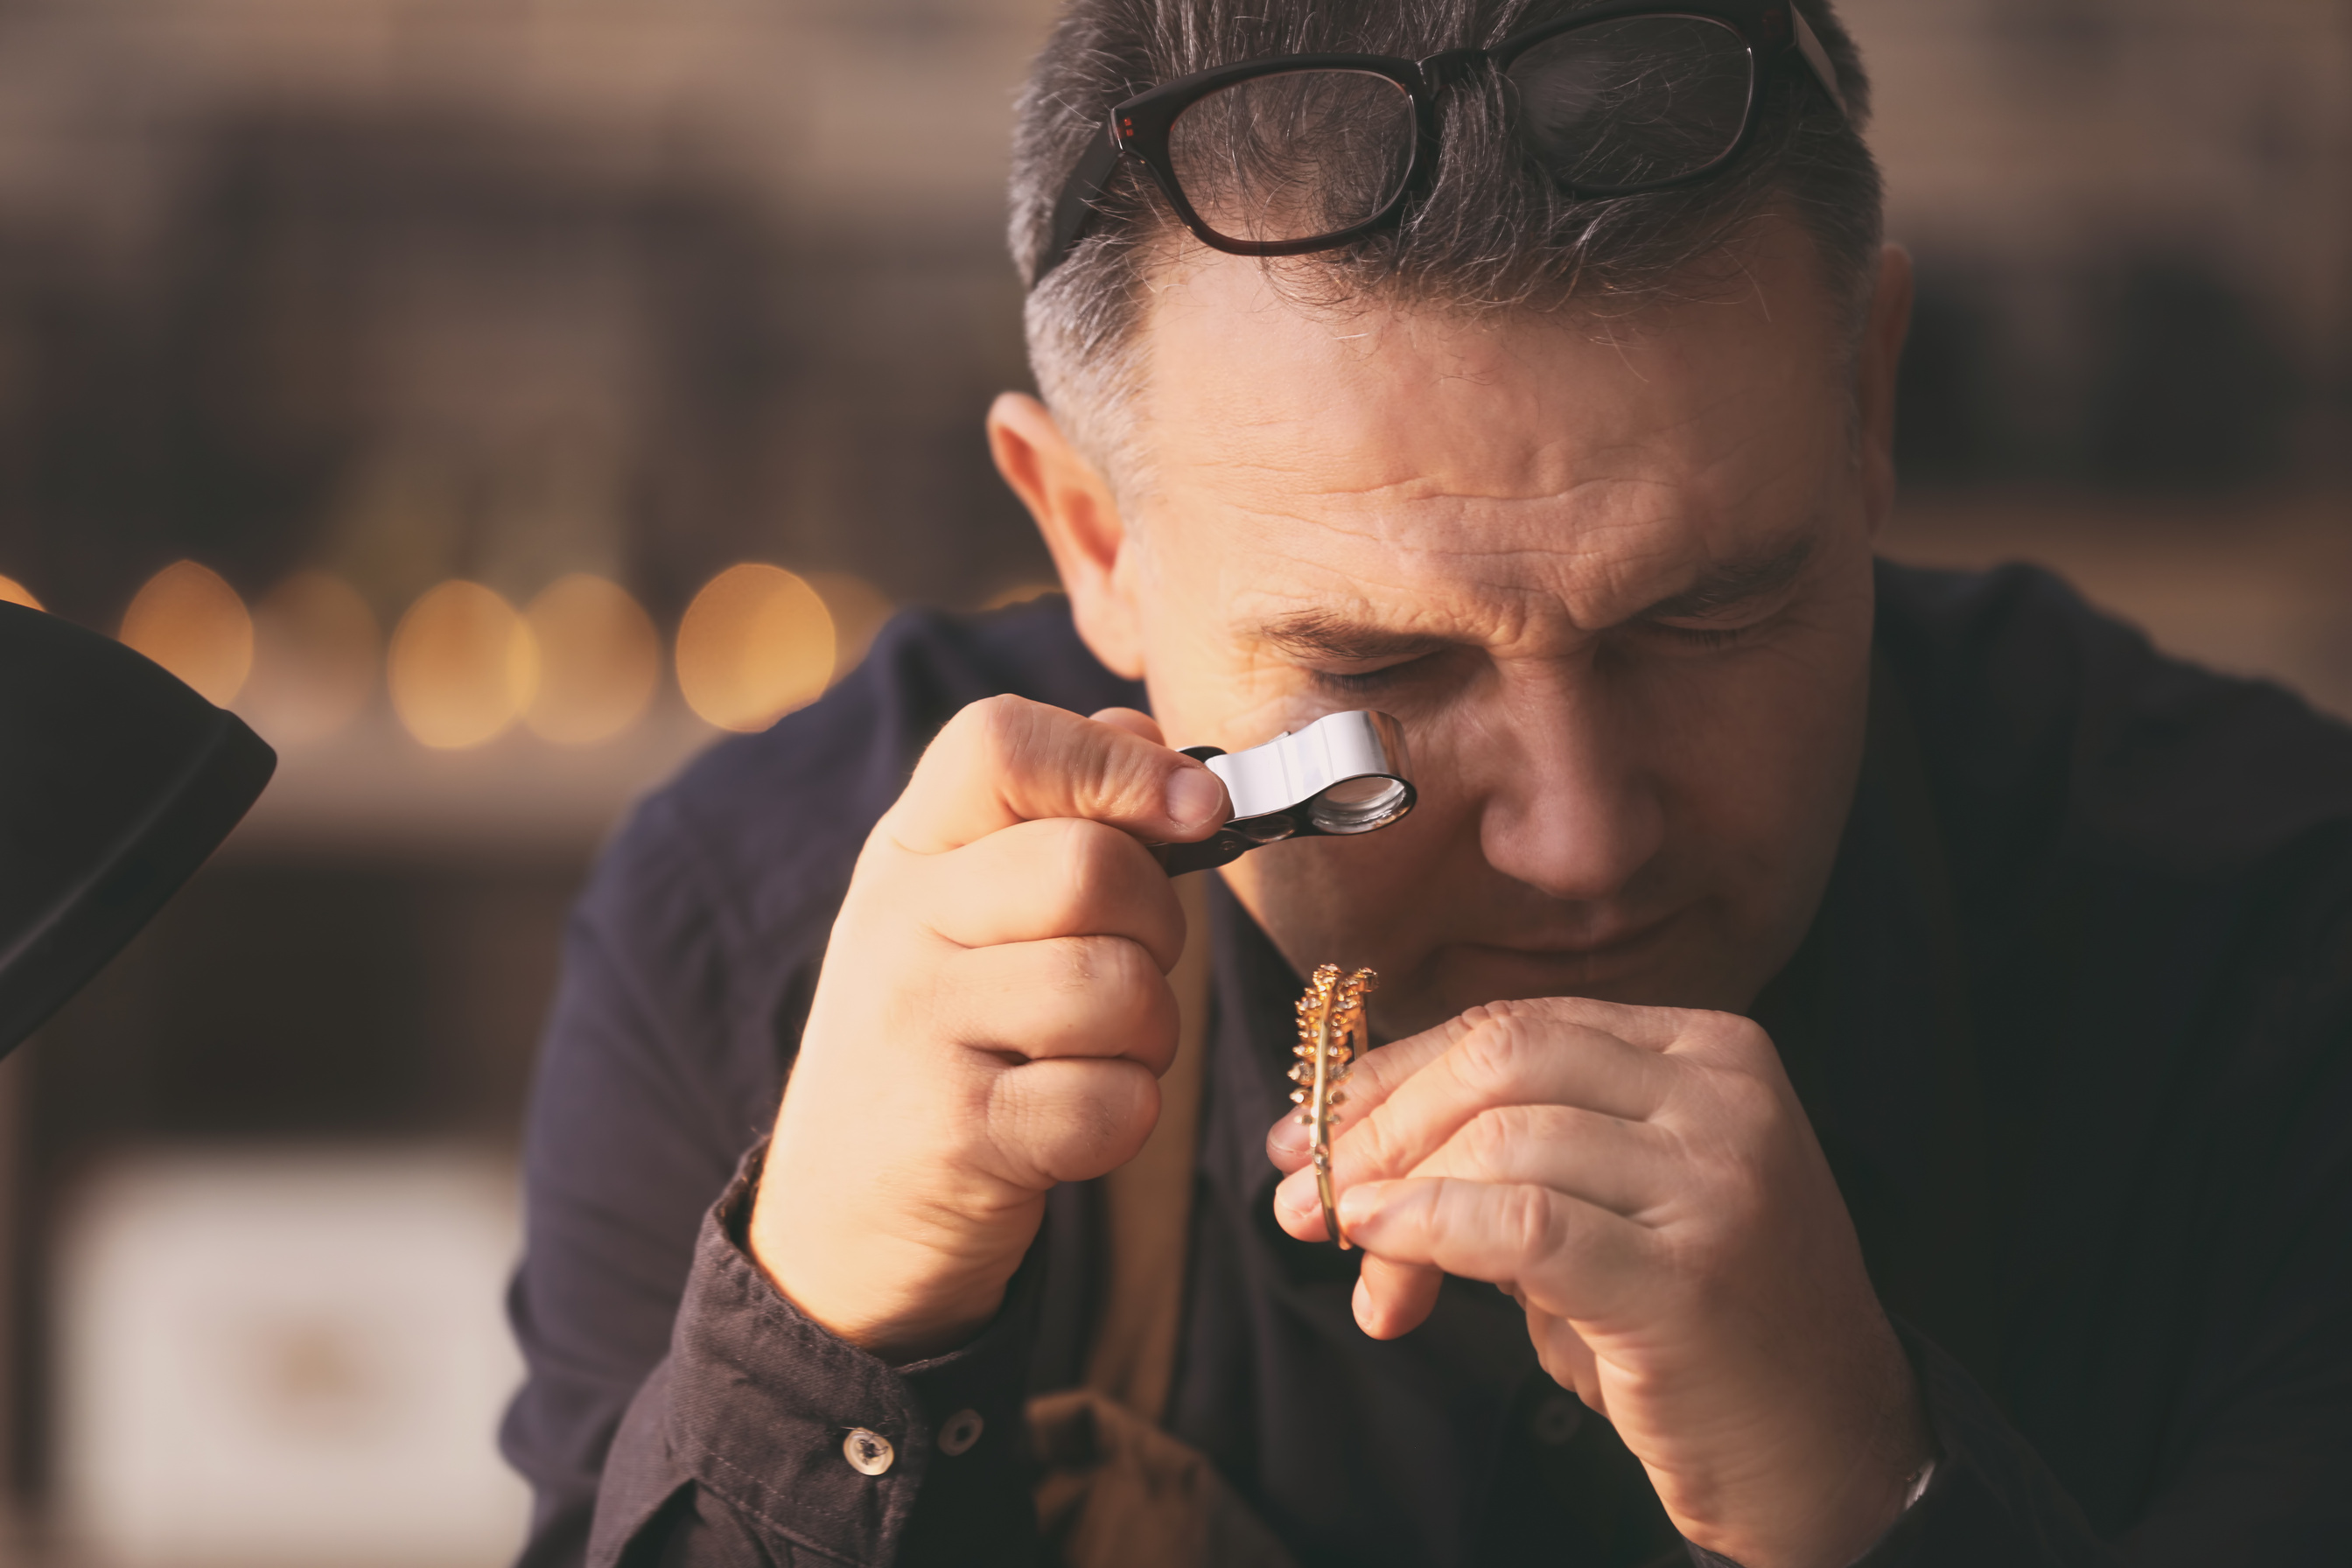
{"x":2074,"y":1023}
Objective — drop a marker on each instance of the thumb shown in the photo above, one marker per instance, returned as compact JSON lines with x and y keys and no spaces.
{"x":1006,"y":760}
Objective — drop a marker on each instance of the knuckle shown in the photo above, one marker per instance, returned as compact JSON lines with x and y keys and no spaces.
{"x":1078,"y":1125}
{"x":1487,"y":1140}
{"x":1528,"y":1222}
{"x":1739,"y":1044}
{"x":1089,"y":865}
{"x":1016,"y":738}
{"x":1076,"y":964}
{"x":1744,"y":1034}
{"x":1748,"y":1103}
{"x":1373,"y":1075}
{"x":1371,"y":1145}
{"x":1101,"y":772}
{"x":1003,"y":719}
{"x":1495,"y":1055}
{"x":1726,"y":1189}
{"x":995,"y":728}
{"x":1107,"y":963}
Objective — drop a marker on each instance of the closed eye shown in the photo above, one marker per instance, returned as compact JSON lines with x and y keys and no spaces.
{"x":1706,"y":637}
{"x":1386,"y":678}
{"x":1359,"y":682}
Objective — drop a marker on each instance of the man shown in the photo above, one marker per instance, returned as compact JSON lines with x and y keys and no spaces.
{"x":1878,"y":1038}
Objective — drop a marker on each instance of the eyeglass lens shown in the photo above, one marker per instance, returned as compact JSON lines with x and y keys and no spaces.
{"x":1295,"y":155}
{"x":1636,"y":101}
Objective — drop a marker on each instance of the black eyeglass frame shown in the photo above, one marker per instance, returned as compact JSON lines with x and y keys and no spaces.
{"x":1774,"y":32}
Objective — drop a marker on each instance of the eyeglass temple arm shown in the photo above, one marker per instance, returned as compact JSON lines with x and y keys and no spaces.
{"x":1085,"y":185}
{"x":1816,"y":56}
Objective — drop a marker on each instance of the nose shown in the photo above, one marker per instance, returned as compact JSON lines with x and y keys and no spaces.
{"x":1568,"y":806}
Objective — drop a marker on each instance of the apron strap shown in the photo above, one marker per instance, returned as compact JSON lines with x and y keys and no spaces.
{"x":1148,"y":1203}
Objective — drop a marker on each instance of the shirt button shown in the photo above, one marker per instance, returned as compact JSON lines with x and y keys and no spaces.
{"x":961,"y":1432}
{"x":1556,"y":1418}
{"x":869,"y":1453}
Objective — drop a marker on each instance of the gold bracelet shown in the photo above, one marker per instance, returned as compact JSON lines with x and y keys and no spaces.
{"x":1331,"y":1035}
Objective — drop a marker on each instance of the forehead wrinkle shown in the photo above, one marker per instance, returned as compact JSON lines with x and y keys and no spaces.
{"x":1256,"y":443}
{"x":1394,"y":511}
{"x":1492,"y":586}
{"x":1544,"y":472}
{"x":1531,"y":610}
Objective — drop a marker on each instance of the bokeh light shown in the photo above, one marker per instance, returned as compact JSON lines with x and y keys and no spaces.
{"x":599,"y":660}
{"x":756,"y":643}
{"x":316,"y":652}
{"x":14,"y":592}
{"x":1019,"y":593}
{"x":858,"y":609}
{"x":463,"y":665}
{"x":194,"y":625}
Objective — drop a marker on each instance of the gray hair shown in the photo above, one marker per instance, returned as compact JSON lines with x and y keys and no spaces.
{"x":1493,"y":232}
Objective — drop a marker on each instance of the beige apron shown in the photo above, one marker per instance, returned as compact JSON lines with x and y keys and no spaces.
{"x":1117,"y":1492}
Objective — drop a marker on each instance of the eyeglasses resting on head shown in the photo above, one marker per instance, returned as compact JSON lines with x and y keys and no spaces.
{"x":1301,"y":153}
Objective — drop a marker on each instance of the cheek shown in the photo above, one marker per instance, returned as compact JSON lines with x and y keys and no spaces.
{"x":1759,"y":764}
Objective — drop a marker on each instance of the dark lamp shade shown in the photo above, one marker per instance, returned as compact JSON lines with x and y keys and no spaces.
{"x":116,"y":781}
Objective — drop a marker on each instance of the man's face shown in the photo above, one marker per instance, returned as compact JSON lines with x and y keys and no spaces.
{"x":1614,"y":583}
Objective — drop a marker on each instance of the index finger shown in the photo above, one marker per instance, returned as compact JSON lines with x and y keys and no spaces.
{"x":1006,"y":760}
{"x":1518,"y":1056}
{"x":1382,"y":1073}
{"x":1374,"y":1077}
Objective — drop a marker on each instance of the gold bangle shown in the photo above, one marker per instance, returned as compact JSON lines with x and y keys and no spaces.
{"x":1331,"y":1035}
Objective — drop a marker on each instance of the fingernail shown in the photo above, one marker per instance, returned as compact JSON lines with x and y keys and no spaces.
{"x":1194,"y":797}
{"x":1288,"y":1137}
{"x":1359,"y":1209}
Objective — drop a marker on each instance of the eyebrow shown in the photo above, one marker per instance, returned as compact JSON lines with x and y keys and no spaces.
{"x":1320,"y":634}
{"x":1325,"y":634}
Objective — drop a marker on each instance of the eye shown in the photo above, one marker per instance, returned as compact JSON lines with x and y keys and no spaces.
{"x":1385,"y":678}
{"x":1716,"y":634}
{"x":1358,"y":681}
{"x":1706,"y":639}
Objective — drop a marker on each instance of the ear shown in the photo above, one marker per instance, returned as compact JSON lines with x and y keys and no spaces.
{"x":1881,"y":353}
{"x":1079,"y":517}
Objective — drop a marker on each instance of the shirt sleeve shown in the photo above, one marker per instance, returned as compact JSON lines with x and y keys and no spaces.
{"x":1991,"y":1498}
{"x":763,"y":1438}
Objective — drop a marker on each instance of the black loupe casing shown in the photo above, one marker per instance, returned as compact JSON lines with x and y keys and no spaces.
{"x":116,"y":781}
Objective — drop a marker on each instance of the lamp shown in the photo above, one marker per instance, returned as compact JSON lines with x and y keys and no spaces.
{"x":116,"y":781}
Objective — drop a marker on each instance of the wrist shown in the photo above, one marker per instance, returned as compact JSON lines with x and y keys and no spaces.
{"x":895,"y":1299}
{"x":1914,"y":1488}
{"x":1827,"y":1508}
{"x":1883,"y":1473}
{"x":1884,"y":1490}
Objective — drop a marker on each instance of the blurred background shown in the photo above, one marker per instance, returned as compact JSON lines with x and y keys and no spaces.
{"x":498,"y":400}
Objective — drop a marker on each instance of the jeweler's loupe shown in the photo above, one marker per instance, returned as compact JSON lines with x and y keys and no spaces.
{"x":1341,"y":776}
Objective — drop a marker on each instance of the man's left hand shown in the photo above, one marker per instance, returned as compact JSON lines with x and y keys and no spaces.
{"x":1644,"y":1184}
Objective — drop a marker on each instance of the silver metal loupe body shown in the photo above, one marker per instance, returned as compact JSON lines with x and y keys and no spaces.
{"x":1341,"y":776}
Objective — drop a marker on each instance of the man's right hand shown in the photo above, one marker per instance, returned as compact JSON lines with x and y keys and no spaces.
{"x":991,"y":1018}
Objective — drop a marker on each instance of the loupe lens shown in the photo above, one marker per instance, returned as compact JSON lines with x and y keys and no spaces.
{"x":1358,"y":805}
